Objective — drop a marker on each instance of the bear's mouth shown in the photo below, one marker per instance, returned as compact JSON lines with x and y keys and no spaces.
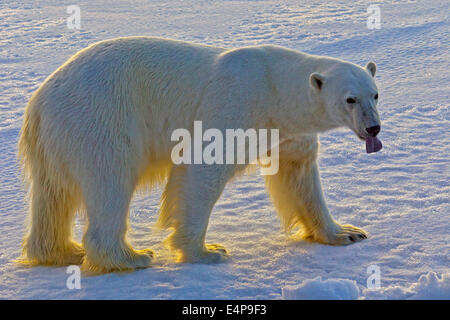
{"x":361,"y":136}
{"x":373,"y":144}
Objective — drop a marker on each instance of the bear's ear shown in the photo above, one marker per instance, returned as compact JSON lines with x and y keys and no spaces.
{"x":316,"y":80}
{"x":372,"y":68}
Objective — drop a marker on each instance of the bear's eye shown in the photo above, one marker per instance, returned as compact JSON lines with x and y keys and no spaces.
{"x":376,"y":96}
{"x":351,"y":100}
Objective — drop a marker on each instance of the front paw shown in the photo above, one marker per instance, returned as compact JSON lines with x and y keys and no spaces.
{"x":211,"y":253}
{"x":341,"y":235}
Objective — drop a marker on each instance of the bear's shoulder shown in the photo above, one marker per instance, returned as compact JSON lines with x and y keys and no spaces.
{"x":241,"y":56}
{"x":244,"y":63}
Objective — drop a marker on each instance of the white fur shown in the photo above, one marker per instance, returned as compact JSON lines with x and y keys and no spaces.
{"x":99,"y":127}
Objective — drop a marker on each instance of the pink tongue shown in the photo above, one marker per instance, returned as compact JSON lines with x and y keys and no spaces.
{"x":373,"y":144}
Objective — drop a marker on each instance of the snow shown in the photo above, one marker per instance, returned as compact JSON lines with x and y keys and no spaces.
{"x":429,"y":286}
{"x":399,"y":195}
{"x":318,"y":289}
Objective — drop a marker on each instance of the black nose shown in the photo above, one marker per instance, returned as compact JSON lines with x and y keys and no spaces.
{"x":373,"y":131}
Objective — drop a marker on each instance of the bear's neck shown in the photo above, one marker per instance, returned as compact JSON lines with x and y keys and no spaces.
{"x":297,"y":111}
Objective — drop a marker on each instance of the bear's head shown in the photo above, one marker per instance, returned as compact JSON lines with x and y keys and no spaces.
{"x":349,"y":95}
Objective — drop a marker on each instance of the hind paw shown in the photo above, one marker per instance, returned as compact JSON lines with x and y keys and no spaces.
{"x":127,"y":260}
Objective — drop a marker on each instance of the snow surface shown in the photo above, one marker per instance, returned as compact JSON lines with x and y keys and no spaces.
{"x":400,"y":195}
{"x":318,"y":289}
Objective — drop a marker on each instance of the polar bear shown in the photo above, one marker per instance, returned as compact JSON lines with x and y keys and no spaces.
{"x":99,"y":128}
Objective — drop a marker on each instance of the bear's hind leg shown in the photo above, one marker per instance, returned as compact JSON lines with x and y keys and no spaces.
{"x":48,"y":240}
{"x":107,"y":248}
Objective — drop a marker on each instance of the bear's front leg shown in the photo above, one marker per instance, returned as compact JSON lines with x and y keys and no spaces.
{"x":187,"y":202}
{"x":297,"y":194}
